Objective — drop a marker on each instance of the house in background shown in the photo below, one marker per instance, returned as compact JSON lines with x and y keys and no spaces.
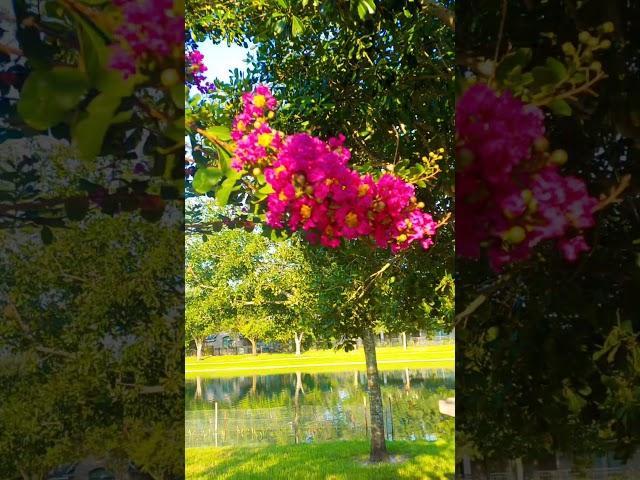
{"x":225,"y":341}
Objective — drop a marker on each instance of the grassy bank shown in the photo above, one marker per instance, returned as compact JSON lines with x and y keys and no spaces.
{"x":389,"y":358}
{"x":322,"y":461}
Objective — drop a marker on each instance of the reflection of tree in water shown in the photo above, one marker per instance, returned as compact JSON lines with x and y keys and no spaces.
{"x":296,"y":403}
{"x":201,"y":392}
{"x":300,"y":407}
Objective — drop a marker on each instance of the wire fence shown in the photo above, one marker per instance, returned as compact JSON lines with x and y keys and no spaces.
{"x":304,"y":424}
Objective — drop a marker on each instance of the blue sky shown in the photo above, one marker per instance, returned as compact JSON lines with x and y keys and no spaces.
{"x":220,"y":59}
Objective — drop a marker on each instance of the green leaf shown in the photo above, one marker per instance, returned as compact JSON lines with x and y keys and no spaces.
{"x":296,"y":26}
{"x":366,"y":7}
{"x":48,"y":95}
{"x":88,"y":133}
{"x":558,"y":68}
{"x":574,"y":401}
{"x":266,"y":190}
{"x":281,"y":26}
{"x":543,"y":76}
{"x":519,"y":58}
{"x":205,"y":179}
{"x":560,"y":107}
{"x":221,"y":132}
{"x":223,"y":193}
{"x":224,"y":158}
{"x":96,"y":56}
{"x":177,"y":93}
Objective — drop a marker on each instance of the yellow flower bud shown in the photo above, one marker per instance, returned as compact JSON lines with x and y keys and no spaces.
{"x":514,"y":235}
{"x":541,"y":144}
{"x":169,"y":77}
{"x":607,"y":27}
{"x":559,"y":157}
{"x":568,"y":48}
{"x":526,"y":195}
{"x":584,"y":37}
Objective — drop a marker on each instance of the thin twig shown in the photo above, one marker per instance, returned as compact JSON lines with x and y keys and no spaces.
{"x":614,"y":193}
{"x":395,"y":155}
{"x":472,"y":307}
{"x":571,"y":93}
{"x":501,"y":30}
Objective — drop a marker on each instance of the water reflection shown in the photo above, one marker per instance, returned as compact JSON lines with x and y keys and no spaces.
{"x":302,"y":407}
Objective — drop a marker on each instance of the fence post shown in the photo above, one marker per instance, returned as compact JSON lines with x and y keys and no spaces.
{"x":390,"y":418}
{"x":216,"y":422}
{"x":366,"y":423}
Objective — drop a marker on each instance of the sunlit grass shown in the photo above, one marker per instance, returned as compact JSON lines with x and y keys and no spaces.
{"x":342,"y":460}
{"x":389,"y":358}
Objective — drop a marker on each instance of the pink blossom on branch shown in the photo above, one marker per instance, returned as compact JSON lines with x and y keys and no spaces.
{"x":510,"y":197}
{"x":148,"y":30}
{"x":317,"y":192}
{"x":195,"y":69}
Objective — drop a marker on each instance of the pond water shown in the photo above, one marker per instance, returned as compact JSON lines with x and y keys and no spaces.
{"x":311,"y":407}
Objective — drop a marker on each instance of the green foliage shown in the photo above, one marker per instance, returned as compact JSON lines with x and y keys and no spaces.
{"x":361,"y":288}
{"x":92,"y":371}
{"x":243,"y":282}
{"x":540,"y":362}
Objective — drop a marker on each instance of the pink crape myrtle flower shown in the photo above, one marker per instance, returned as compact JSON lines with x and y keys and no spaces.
{"x":509,"y":201}
{"x":149,"y":29}
{"x":315,"y":190}
{"x":195,"y":70}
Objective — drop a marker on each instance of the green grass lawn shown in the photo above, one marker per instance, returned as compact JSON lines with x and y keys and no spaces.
{"x":323,"y":461}
{"x":389,"y":358}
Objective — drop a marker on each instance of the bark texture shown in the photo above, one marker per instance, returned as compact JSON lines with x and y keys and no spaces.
{"x":378,"y":445}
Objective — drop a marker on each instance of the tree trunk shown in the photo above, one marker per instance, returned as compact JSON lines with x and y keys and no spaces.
{"x":298,"y":341}
{"x":404,"y":340}
{"x":254,"y":350}
{"x":381,"y":337}
{"x":254,"y":384}
{"x":198,"y":387}
{"x":407,"y":380}
{"x":199,"y":344}
{"x":378,"y":446}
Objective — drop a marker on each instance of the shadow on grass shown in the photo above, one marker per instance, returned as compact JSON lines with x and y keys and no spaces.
{"x":322,"y":461}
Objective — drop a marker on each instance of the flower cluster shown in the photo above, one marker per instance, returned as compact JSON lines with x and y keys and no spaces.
{"x":512,"y":193}
{"x":256,"y":142}
{"x":316,"y":191}
{"x":149,"y":29}
{"x":195,"y":68}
